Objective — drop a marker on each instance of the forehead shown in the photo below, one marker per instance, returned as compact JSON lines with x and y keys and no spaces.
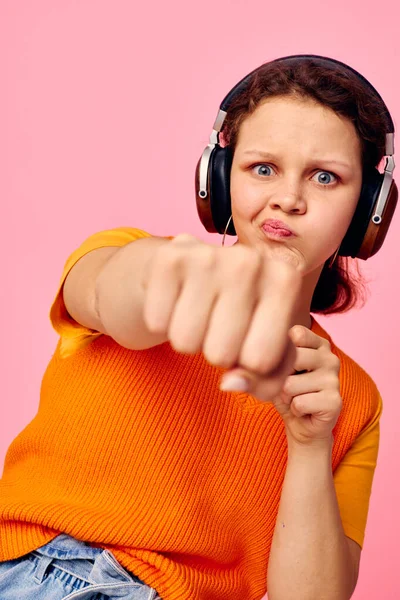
{"x":298,"y":124}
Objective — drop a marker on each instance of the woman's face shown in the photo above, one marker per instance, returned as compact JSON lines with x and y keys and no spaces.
{"x":299,"y":163}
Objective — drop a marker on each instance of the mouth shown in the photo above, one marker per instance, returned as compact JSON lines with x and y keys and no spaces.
{"x":275,"y":229}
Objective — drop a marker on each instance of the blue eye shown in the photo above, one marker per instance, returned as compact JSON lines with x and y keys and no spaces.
{"x":267,"y":170}
{"x":325,"y":177}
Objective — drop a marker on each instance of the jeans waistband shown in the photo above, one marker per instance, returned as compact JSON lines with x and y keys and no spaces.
{"x":96,"y":566}
{"x":66,"y":547}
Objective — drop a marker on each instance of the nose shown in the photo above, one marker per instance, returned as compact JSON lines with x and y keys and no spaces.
{"x":289,"y":198}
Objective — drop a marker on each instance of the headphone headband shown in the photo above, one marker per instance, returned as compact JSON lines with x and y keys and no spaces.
{"x":296,"y":58}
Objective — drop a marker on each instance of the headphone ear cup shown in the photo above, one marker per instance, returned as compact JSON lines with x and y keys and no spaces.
{"x":355,"y":235}
{"x":203,"y":203}
{"x":220,"y":188}
{"x":376,"y":234}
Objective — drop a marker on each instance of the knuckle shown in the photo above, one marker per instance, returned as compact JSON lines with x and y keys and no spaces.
{"x":176,"y":340}
{"x":219,"y":357}
{"x":336,"y":401}
{"x":297,"y":334}
{"x":297,"y":404}
{"x":182,"y":343}
{"x":248,"y":259}
{"x":286,"y":389}
{"x":217,"y":351}
{"x":183,"y":238}
{"x":168,"y":257}
{"x":152,"y":323}
{"x":245,"y":264}
{"x":205,"y":259}
{"x":283,"y":273}
{"x":333,"y":382}
{"x":181,"y":335}
{"x":333,"y":364}
{"x":326,"y":345}
{"x":257,"y":364}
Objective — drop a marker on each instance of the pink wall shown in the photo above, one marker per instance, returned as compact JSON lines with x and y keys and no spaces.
{"x":104,"y":110}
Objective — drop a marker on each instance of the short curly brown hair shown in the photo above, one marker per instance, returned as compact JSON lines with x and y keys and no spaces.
{"x":342,"y":286}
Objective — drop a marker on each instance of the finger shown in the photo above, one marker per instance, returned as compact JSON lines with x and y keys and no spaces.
{"x":306,"y":383}
{"x":324,"y":405}
{"x":302,"y":337}
{"x":191,"y":313}
{"x":265,"y":343}
{"x":229,"y":322}
{"x":164,"y":282}
{"x":162,"y":290}
{"x":307,"y":359}
{"x":312,"y":360}
{"x":266,"y":389}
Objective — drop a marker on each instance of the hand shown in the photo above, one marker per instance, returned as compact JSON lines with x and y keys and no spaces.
{"x":310,"y":402}
{"x":233,"y":304}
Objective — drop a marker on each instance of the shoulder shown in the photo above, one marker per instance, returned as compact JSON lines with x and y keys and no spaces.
{"x":357,"y":386}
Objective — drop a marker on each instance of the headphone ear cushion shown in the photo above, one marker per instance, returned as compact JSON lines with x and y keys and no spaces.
{"x":220,"y":188}
{"x":353,"y":240}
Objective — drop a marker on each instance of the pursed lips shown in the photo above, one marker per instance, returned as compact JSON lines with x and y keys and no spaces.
{"x":277,"y":228}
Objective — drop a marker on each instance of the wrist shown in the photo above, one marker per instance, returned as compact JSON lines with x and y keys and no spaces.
{"x":322,"y":447}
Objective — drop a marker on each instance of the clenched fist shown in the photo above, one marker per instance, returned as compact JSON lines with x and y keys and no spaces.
{"x":233,"y":304}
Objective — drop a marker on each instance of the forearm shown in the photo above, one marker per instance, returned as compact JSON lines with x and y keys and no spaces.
{"x":310,"y":558}
{"x":119,"y":295}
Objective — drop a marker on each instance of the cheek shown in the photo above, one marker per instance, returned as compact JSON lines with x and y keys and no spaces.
{"x":329,"y":225}
{"x":246,"y":200}
{"x":340,"y":218}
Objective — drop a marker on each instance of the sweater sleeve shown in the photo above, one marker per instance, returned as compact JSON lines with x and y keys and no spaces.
{"x":353,"y":478}
{"x":73,"y":335}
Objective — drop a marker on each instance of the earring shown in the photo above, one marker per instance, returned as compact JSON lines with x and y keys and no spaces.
{"x":226,"y":229}
{"x":333,"y":259}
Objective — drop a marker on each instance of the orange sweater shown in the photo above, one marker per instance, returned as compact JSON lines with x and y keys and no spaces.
{"x":140,"y":452}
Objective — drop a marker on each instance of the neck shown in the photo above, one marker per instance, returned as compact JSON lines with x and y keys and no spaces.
{"x":301,"y":313}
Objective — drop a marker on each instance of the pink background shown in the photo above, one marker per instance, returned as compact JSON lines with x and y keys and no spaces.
{"x":105,"y":108}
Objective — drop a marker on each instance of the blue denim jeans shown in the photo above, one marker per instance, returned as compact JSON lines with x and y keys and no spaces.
{"x":68,"y":569}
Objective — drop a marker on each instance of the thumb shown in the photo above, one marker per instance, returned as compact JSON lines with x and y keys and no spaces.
{"x":264,"y":387}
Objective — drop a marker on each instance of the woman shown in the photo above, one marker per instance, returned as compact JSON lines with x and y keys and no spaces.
{"x":146,"y":474}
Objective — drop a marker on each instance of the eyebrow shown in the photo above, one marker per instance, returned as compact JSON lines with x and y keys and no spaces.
{"x":269,"y":156}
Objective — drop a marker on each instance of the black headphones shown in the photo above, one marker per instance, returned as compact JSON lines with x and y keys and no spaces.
{"x":378,"y":197}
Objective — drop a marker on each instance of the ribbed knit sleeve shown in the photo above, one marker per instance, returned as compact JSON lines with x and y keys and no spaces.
{"x":354,"y":476}
{"x":75,"y":336}
{"x":354,"y":471}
